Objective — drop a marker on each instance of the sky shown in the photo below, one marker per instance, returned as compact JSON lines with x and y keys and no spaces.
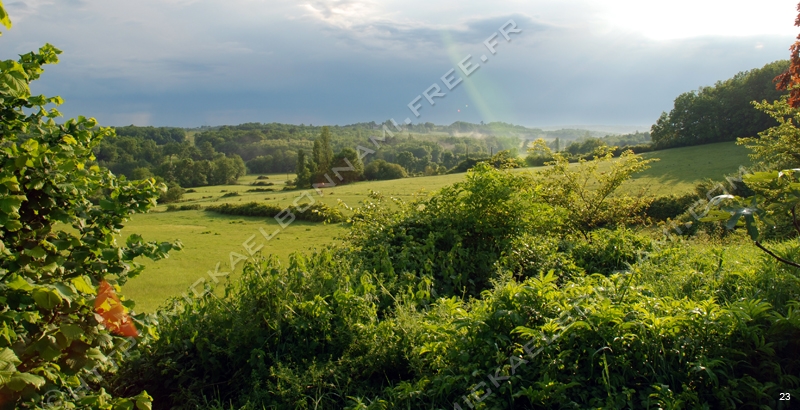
{"x":191,"y":63}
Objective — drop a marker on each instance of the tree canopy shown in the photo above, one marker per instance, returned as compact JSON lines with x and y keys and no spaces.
{"x":722,"y":112}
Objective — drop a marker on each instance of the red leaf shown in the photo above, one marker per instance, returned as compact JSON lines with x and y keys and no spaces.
{"x":110,"y":309}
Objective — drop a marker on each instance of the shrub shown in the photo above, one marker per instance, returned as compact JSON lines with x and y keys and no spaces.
{"x":317,"y":212}
{"x":193,"y":207}
{"x":669,"y":207}
{"x":174,"y":193}
{"x":262,"y":183}
{"x":380,"y":170}
{"x":467,"y":164}
{"x":532,"y":255}
{"x":452,"y":238}
{"x":308,"y":333}
{"x":230,"y":194}
{"x":588,"y":196}
{"x":607,"y":251}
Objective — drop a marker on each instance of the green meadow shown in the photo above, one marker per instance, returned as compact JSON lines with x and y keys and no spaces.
{"x":210,"y":238}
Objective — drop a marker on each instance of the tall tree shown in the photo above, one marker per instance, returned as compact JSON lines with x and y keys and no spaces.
{"x":61,"y":217}
{"x":323,"y":152}
{"x":721,"y":112}
{"x":302,"y":170}
{"x":348,"y":165}
{"x":778,"y":147}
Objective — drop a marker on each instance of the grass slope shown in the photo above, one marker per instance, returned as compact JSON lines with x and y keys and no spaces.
{"x":210,"y":238}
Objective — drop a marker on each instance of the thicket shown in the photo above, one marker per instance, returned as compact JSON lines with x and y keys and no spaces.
{"x":316,"y":212}
{"x":501,"y":291}
{"x":544,"y":317}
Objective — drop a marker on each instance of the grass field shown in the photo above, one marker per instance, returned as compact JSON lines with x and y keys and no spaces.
{"x":210,"y":238}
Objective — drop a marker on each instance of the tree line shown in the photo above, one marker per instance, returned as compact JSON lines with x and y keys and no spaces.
{"x":722,"y":112}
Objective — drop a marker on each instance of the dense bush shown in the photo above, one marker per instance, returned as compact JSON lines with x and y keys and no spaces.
{"x":608,"y":251}
{"x":467,"y":164}
{"x":454,"y":237}
{"x":531,"y":255}
{"x":670,"y":206}
{"x":478,"y":293}
{"x":317,"y":212}
{"x":174,"y":193}
{"x":679,"y":330}
{"x":380,"y":170}
{"x":193,"y":207}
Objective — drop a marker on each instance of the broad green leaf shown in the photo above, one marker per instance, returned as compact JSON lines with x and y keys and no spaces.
{"x":11,"y":204}
{"x":14,"y":83}
{"x":83,"y":286}
{"x":30,"y":145}
{"x":144,"y":402}
{"x":71,"y":332}
{"x":13,"y":225}
{"x":20,"y":380}
{"x":38,"y":252}
{"x":124,"y":405}
{"x":8,"y":357}
{"x":46,"y":298}
{"x":50,"y":353}
{"x":734,"y":219}
{"x":752,"y":229}
{"x":65,"y":290}
{"x":19,"y":283}
{"x":4,"y":17}
{"x":107,"y":205}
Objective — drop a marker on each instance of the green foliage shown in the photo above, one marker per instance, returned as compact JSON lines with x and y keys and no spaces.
{"x":588,"y":195}
{"x":4,"y":20}
{"x":60,"y":218}
{"x":776,"y":147}
{"x":140,"y":152}
{"x":777,"y":199}
{"x":453,"y":238}
{"x":380,"y":170}
{"x":722,"y":112}
{"x":308,"y":334}
{"x":666,"y":207}
{"x":193,"y":207}
{"x":316,"y":212}
{"x":587,"y":146}
{"x":347,"y":167}
{"x":609,"y":251}
{"x":323,"y":153}
{"x":303,"y":171}
{"x":467,"y":164}
{"x":174,"y":193}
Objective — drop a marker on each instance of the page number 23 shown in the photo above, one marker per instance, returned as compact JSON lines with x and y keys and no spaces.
{"x":785,"y":396}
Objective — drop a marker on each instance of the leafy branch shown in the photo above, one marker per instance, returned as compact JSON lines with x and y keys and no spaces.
{"x":784,"y":192}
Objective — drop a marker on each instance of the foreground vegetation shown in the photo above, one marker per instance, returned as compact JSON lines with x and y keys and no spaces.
{"x":210,"y":237}
{"x":502,"y":289}
{"x":486,"y":300}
